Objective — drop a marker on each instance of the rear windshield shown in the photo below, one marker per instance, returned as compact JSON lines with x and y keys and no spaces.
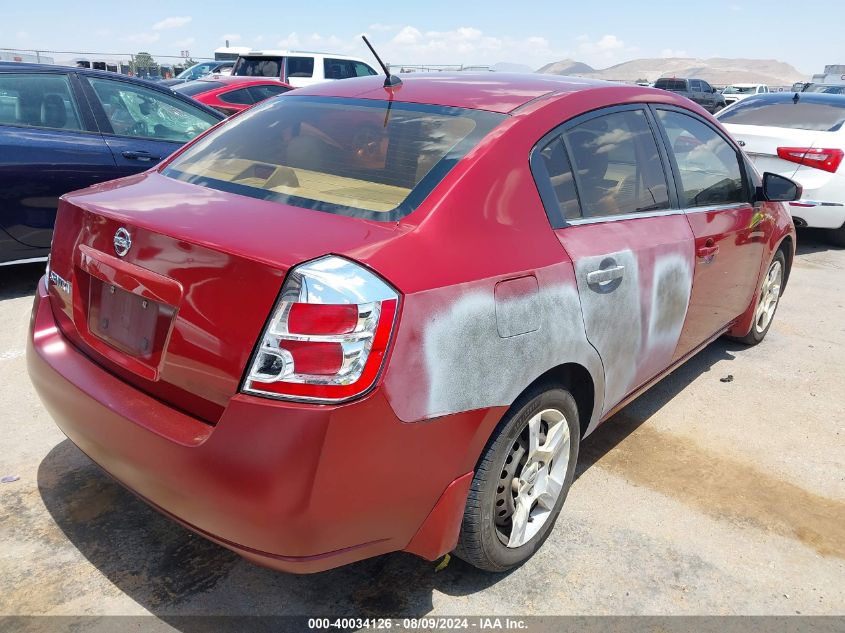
{"x":740,"y":90}
{"x":803,"y":115}
{"x":192,"y":88}
{"x":365,"y":158}
{"x":258,"y":66}
{"x":671,"y":84}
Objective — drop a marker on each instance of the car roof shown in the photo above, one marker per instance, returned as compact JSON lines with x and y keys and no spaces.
{"x":273,"y":52}
{"x":746,"y":85}
{"x":496,"y":92}
{"x":823,"y":98}
{"x":36,"y":68}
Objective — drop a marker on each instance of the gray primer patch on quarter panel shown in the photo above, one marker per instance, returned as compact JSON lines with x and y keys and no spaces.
{"x":470,"y":366}
{"x":516,"y":306}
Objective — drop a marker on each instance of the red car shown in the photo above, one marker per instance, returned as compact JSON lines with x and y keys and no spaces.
{"x":231,"y":95}
{"x":358,"y":319}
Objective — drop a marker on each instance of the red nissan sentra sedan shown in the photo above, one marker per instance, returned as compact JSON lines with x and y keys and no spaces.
{"x":358,"y":319}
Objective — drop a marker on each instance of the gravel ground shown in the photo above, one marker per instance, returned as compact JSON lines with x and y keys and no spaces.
{"x":701,"y":497}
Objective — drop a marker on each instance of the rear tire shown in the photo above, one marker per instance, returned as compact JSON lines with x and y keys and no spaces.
{"x":836,"y":236}
{"x":768,"y":301}
{"x":521,"y":481}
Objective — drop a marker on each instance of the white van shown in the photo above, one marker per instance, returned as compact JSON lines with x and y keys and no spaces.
{"x":300,"y":68}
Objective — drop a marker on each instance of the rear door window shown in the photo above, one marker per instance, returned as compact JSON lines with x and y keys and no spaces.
{"x":803,"y":115}
{"x":617,"y":165}
{"x":338,"y":68}
{"x":554,"y":161}
{"x":708,"y":166}
{"x":42,"y":100}
{"x":300,"y":66}
{"x":362,"y":70}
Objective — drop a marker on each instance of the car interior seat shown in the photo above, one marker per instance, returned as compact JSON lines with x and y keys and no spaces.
{"x":591,"y":162}
{"x":53,"y":112}
{"x":27,"y":109}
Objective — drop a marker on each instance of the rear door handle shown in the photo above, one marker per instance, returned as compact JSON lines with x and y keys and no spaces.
{"x":603,"y":275}
{"x":708,"y":252}
{"x":140,"y":155}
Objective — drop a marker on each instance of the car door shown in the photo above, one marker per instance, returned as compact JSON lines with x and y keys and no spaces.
{"x":730,"y":231}
{"x":606,"y":184}
{"x":142,"y":125}
{"x":709,"y":97}
{"x":49,"y":145}
{"x":695,"y":91}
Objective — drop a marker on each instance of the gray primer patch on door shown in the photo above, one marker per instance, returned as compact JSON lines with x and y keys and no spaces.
{"x":670,"y":294}
{"x":613,"y":320}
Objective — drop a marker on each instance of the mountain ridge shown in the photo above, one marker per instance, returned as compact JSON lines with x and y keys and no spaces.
{"x":716,"y":70}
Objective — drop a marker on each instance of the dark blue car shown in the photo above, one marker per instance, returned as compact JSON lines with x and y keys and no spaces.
{"x":64,"y":128}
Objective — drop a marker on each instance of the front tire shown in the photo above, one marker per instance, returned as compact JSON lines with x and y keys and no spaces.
{"x":768,"y":301}
{"x":521,"y":481}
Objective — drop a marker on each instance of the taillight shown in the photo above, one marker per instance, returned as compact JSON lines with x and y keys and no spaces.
{"x":824,"y":159}
{"x":328,"y":335}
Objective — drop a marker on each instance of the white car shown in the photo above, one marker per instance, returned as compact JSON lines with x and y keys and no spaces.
{"x":738,"y":92}
{"x":800,"y":136}
{"x":300,"y":68}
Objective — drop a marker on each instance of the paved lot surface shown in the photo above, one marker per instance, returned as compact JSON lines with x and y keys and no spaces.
{"x":702,"y":497}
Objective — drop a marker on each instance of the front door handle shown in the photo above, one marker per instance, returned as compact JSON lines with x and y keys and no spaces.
{"x":141,"y":155}
{"x":603,"y":275}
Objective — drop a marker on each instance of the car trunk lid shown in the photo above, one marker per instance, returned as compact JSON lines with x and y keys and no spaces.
{"x":169,"y":284}
{"x":761,"y":144}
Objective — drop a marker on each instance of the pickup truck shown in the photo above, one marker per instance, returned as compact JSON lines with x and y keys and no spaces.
{"x":696,"y":90}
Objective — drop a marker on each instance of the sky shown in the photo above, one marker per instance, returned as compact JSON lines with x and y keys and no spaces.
{"x":806,"y":34}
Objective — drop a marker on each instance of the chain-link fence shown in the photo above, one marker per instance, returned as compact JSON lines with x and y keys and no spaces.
{"x":141,"y":64}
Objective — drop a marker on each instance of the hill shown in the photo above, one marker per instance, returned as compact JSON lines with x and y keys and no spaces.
{"x":718,"y":71}
{"x":567,"y":67}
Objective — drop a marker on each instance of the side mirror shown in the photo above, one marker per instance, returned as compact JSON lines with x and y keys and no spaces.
{"x":715,"y":90}
{"x":778,"y":188}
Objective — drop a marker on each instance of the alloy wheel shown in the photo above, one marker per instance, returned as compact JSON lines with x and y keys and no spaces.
{"x":532,"y":478}
{"x":769,"y":296}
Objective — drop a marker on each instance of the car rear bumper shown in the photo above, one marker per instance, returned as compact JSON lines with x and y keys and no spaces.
{"x":291,"y":486}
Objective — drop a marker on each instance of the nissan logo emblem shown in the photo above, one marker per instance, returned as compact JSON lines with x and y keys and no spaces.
{"x":122,"y":242}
